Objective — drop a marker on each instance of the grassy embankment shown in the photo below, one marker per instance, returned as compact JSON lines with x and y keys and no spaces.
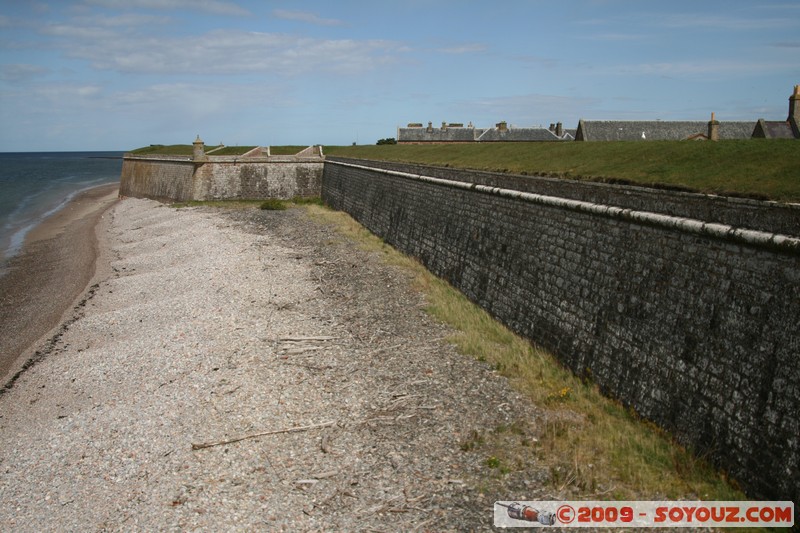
{"x":753,"y":167}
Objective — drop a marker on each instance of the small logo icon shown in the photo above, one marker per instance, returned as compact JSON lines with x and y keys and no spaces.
{"x":517,"y":511}
{"x":565,"y":514}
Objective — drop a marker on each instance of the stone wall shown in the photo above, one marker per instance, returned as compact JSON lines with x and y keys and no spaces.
{"x":692,"y":323}
{"x":163,"y":178}
{"x":182,"y":179}
{"x":282,"y":178}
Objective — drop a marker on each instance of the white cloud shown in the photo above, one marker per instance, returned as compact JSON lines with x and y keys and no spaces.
{"x":305,"y":16}
{"x":85,"y":33}
{"x":220,"y":52}
{"x":127,"y":20}
{"x":67,"y":93}
{"x":702,"y":68}
{"x":168,"y":99}
{"x":614,"y":37}
{"x":469,"y":48}
{"x":714,"y":21}
{"x":711,"y":21}
{"x":20,"y":72}
{"x":216,"y":7}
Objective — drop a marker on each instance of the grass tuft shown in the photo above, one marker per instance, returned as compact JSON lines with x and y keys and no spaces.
{"x":273,"y":204}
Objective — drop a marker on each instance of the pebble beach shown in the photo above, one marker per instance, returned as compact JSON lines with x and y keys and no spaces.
{"x":246,"y":371}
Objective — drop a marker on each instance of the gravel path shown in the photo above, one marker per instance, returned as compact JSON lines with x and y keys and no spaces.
{"x":213,"y":325}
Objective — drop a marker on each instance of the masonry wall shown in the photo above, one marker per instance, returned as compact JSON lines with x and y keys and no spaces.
{"x":161,"y":179}
{"x":281,"y":178}
{"x":693,"y":325}
{"x":739,"y":212}
{"x":181,"y":179}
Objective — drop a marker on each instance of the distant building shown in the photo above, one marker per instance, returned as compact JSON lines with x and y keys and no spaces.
{"x":784,"y":129}
{"x":416,"y":133}
{"x":658,"y":130}
{"x":610,"y":130}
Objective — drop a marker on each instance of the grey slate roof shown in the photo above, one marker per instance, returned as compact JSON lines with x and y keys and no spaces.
{"x":773,"y":129}
{"x":436,"y":135}
{"x":736,"y":130}
{"x":456,"y":134}
{"x":517,"y":135}
{"x":657,"y":130}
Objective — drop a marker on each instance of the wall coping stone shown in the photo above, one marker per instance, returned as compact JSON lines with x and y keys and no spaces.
{"x":783,"y":243}
{"x":229,"y":158}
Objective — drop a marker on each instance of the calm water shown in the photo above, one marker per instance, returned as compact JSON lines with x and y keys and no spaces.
{"x":34,"y":185}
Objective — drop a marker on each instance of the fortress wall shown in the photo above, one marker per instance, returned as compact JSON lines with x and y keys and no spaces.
{"x":740,"y":212}
{"x":282,"y":178}
{"x":158,"y":178}
{"x":694,"y":326}
{"x":181,"y":179}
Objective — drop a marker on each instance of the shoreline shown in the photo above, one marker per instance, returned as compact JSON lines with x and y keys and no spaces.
{"x":52,"y":269}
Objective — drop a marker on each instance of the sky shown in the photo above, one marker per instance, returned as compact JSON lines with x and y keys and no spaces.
{"x":120,"y":74}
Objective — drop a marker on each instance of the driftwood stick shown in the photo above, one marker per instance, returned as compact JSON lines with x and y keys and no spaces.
{"x":296,"y":429}
{"x":301,"y":339}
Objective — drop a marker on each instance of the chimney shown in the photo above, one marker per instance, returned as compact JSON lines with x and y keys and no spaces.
{"x":559,"y":130}
{"x":502,"y":126}
{"x":713,"y":129}
{"x":198,"y":150}
{"x":552,"y":127}
{"x":794,"y":108}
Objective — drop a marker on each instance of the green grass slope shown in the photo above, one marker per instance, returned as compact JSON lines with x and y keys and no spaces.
{"x":753,"y":167}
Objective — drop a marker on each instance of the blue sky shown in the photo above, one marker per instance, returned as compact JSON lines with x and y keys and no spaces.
{"x":119,"y":74}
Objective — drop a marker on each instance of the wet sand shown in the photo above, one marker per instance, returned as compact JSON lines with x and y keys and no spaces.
{"x":54,"y":267}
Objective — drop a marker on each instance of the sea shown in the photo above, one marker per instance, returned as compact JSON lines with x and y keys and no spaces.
{"x":35,"y":185}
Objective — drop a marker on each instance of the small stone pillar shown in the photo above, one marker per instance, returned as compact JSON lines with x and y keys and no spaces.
{"x":444,"y":126}
{"x":713,"y":129}
{"x":198,"y":150}
{"x":430,"y":127}
{"x":502,"y":126}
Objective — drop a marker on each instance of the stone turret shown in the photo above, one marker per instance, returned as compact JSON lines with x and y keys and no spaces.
{"x":198,"y":150}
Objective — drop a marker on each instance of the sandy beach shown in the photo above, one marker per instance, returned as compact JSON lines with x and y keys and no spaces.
{"x":53,"y":268}
{"x":251,"y":370}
